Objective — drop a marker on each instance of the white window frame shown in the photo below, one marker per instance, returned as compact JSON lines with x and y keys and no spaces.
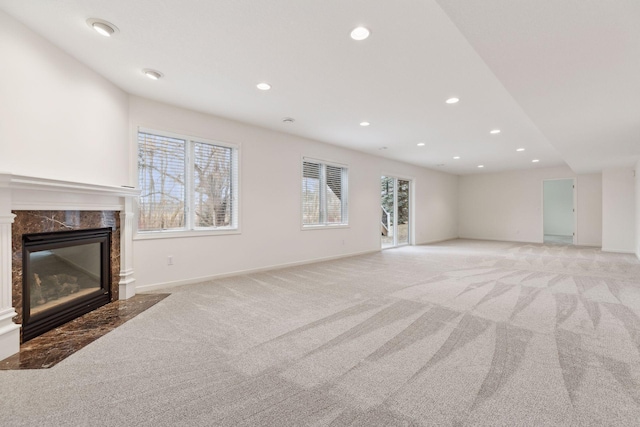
{"x":190,"y":230}
{"x":323,"y":198}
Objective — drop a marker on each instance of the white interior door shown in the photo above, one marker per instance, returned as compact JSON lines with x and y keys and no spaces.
{"x":559,"y":211}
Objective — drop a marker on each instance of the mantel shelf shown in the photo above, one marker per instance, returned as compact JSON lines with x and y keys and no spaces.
{"x":21,"y":182}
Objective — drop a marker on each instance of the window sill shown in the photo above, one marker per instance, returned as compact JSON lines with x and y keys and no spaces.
{"x":178,"y":234}
{"x":324,"y":227}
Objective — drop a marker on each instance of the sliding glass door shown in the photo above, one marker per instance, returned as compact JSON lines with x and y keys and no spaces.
{"x":395,"y":211}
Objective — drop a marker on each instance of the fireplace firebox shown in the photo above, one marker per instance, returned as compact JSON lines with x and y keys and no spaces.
{"x":65,"y":274}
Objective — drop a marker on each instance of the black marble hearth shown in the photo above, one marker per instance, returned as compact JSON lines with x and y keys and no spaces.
{"x":56,"y":345}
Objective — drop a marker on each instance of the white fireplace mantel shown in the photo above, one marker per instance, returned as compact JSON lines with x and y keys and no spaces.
{"x":28,"y":192}
{"x":19,"y":192}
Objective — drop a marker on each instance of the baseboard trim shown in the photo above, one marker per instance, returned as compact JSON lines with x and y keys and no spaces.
{"x":489,"y":239}
{"x":165,"y":285}
{"x":619,"y":251}
{"x":591,"y":245}
{"x":433,"y":242}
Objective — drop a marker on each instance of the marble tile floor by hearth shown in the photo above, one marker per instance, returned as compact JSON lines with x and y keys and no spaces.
{"x":56,"y":345}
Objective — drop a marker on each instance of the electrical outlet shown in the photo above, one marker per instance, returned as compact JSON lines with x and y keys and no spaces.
{"x":170,"y":260}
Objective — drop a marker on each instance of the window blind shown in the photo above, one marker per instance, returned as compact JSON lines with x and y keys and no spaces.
{"x":310,"y":193}
{"x":324,"y":195}
{"x":334,"y":195}
{"x":186,"y":184}
{"x":161,"y":177}
{"x":214,"y":175}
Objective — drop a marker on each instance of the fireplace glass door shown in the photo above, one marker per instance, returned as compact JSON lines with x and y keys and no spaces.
{"x":61,"y":275}
{"x":66,"y":275}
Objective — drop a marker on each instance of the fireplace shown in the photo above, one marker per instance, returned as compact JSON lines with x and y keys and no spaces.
{"x":65,"y":274}
{"x":39,"y":206}
{"x":76,"y":257}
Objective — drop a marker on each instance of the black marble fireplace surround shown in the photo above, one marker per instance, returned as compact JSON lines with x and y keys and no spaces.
{"x":30,"y":228}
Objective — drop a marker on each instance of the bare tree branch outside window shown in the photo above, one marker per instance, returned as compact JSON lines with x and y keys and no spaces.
{"x":177,"y":194}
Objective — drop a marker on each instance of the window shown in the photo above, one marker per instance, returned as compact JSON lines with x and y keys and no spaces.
{"x":324,"y":194}
{"x":186,"y":184}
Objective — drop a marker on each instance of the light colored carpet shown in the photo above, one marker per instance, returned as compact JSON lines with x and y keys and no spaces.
{"x":459,"y":333}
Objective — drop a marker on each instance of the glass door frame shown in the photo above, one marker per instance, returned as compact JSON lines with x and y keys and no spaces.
{"x":410,"y":211}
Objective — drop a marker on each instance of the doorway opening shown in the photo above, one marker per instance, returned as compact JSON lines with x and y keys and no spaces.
{"x":395,"y":211}
{"x":559,"y":213}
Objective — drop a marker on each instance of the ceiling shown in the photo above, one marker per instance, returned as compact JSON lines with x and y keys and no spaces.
{"x":558,"y":78}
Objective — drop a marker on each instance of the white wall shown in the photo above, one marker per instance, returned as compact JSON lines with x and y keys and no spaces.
{"x":270,"y":171}
{"x":589,"y":208}
{"x":58,"y":118}
{"x":558,"y":207}
{"x":508,"y":205}
{"x":62,"y":120}
{"x":637,"y":175}
{"x":618,"y":210}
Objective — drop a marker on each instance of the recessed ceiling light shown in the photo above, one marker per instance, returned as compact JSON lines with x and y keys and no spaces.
{"x":535,"y":161}
{"x":452,"y":101}
{"x":495,"y":131}
{"x":263,"y":86}
{"x":480,"y":166}
{"x":456,"y":158}
{"x":364,"y":123}
{"x":102,"y":27}
{"x":520,"y":149}
{"x":152,"y":74}
{"x":420,"y":144}
{"x":288,"y":120}
{"x":360,"y":33}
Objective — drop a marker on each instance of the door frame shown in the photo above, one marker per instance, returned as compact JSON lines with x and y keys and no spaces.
{"x":411,"y":234}
{"x":575,"y":206}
